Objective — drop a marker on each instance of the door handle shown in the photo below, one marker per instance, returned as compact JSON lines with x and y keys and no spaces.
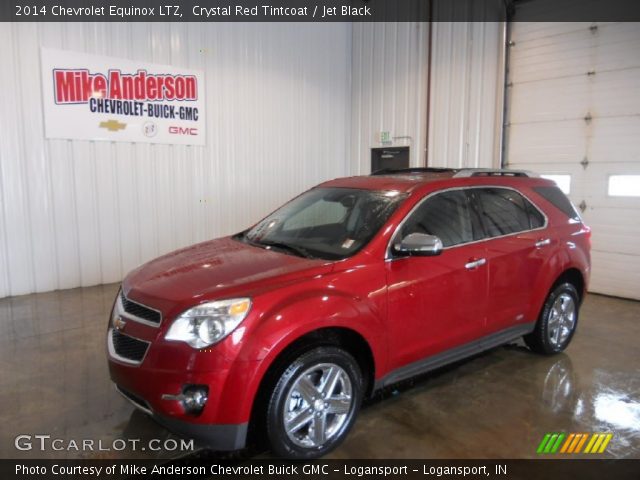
{"x":475,"y":263}
{"x":543,"y":242}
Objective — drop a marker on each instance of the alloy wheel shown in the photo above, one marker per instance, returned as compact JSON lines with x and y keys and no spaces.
{"x":562,"y":319}
{"x":317,"y":405}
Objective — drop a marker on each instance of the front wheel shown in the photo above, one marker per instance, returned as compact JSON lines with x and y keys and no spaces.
{"x":557,"y":322}
{"x":314,"y":403}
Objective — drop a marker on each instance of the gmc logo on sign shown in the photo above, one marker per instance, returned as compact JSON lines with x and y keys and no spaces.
{"x":183,"y":131}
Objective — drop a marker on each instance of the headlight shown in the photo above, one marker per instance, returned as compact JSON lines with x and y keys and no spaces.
{"x":209,"y":323}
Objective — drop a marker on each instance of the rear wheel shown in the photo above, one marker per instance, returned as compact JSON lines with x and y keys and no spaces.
{"x":314,"y":403}
{"x":557,"y":322}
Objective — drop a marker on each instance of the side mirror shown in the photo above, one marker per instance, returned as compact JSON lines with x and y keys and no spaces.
{"x":419,"y":245}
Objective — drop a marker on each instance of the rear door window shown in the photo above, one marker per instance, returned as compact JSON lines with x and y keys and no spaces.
{"x":505,"y":211}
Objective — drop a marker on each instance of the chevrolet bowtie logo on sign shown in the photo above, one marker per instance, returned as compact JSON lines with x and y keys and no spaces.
{"x":113,"y":125}
{"x":574,"y":443}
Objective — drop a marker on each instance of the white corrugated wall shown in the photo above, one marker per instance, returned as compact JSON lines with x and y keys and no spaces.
{"x":77,"y":213}
{"x":466,"y":85}
{"x":301,"y":102}
{"x":390,"y":68}
{"x":466,"y":99}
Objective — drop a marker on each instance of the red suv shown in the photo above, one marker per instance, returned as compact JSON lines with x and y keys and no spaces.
{"x":354,"y":285}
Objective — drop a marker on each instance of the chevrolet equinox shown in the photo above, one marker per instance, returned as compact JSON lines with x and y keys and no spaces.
{"x":352,"y":286}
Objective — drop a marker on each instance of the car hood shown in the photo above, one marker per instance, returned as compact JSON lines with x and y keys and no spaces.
{"x":215,"y":269}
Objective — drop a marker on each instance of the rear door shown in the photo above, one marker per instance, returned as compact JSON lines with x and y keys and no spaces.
{"x":516,"y":250}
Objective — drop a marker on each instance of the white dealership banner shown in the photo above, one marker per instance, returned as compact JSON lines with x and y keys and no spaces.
{"x":91,"y":97}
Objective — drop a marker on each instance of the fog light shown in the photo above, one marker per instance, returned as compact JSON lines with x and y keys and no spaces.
{"x":193,"y":398}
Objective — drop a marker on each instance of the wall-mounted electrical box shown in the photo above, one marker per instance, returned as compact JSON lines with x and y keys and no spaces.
{"x":389,"y":158}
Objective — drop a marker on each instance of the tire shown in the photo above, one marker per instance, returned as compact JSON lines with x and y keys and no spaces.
{"x":314,"y":403}
{"x":557,"y":322}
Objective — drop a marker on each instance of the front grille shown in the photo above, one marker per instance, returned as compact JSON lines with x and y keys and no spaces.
{"x":129,"y":347}
{"x":140,"y":311}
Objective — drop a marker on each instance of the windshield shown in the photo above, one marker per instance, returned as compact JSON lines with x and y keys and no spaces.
{"x":328,"y":223}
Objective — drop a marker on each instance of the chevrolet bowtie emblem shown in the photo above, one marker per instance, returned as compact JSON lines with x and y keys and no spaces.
{"x":119,"y":323}
{"x":113,"y":125}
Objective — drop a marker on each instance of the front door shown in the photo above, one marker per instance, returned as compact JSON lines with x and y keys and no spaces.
{"x":437,"y":303}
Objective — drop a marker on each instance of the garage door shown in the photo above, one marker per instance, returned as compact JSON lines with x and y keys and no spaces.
{"x":573,"y":112}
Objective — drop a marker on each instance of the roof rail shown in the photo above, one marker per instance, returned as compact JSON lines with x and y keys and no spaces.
{"x":392,"y":171}
{"x":490,"y":172}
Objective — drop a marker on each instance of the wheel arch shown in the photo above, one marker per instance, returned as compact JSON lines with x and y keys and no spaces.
{"x":570,"y":274}
{"x":346,"y":338}
{"x":562,"y":266}
{"x":573,"y":276}
{"x":539,"y":340}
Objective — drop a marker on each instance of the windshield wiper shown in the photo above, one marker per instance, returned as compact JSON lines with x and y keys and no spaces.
{"x":302,"y":252}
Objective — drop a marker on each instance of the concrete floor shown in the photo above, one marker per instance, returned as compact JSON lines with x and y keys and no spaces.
{"x":54,"y":380}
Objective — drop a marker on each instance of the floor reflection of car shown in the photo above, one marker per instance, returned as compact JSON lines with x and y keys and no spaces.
{"x":559,"y":392}
{"x":355,"y":284}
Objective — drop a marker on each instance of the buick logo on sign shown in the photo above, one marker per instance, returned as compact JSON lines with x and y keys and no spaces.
{"x":119,"y":323}
{"x":149,"y":129}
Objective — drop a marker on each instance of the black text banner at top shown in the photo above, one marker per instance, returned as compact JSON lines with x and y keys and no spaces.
{"x":218,"y":11}
{"x":319,"y":10}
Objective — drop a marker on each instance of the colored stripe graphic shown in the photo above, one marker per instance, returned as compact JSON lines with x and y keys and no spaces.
{"x":592,"y":440}
{"x":555,"y":447}
{"x":567,"y":442}
{"x":605,"y":442}
{"x":574,"y":442}
{"x":600,"y":443}
{"x":581,"y":443}
{"x":550,"y":443}
{"x":543,"y":443}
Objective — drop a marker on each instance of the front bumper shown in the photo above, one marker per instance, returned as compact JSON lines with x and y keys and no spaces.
{"x":145,"y":388}
{"x":153,"y":373}
{"x":218,"y":437}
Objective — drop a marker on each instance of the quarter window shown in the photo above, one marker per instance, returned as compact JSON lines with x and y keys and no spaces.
{"x":446,"y":215}
{"x":559,"y":200}
{"x":562,"y":180}
{"x":505,"y":211}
